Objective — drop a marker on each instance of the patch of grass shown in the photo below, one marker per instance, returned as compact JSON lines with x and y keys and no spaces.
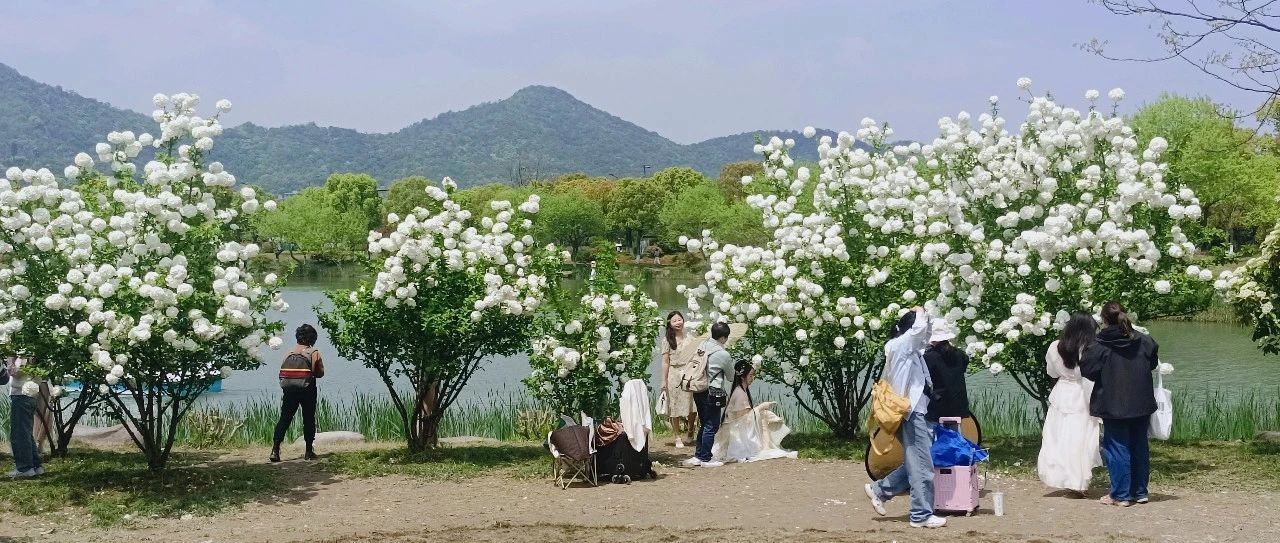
{"x":444,"y":463}
{"x":110,"y":485}
{"x":818,"y":445}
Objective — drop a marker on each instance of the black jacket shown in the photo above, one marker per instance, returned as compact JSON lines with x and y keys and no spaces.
{"x":1121,"y":366}
{"x":949,"y":397}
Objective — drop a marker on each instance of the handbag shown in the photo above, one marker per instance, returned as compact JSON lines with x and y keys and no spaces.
{"x":888,"y":410}
{"x":718,"y":397}
{"x":1161,"y":424}
{"x":661,"y":408}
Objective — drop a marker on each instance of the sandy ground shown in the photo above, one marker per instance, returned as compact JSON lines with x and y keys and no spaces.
{"x":777,"y":500}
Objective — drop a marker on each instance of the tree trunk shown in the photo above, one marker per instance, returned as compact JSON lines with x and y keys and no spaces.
{"x":424,"y":426}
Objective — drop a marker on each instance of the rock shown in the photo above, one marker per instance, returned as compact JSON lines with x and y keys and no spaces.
{"x":1269,"y":437}
{"x":471,"y":441}
{"x":98,"y":437}
{"x":336,"y":438}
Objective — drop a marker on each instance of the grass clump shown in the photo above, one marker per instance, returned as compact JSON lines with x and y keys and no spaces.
{"x":447,"y":463}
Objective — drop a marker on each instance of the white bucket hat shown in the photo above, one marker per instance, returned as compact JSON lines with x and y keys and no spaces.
{"x":943,"y":330}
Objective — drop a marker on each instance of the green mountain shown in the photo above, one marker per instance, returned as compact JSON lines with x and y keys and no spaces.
{"x":538,"y":132}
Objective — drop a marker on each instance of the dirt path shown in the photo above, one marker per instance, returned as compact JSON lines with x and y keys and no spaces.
{"x":778,"y":500}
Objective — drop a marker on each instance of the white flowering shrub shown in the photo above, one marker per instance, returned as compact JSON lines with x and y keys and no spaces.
{"x":1001,"y":233}
{"x":450,"y":290}
{"x":48,"y":246}
{"x":1064,"y":215}
{"x":172,"y":300}
{"x":590,"y":347}
{"x":1254,"y":290}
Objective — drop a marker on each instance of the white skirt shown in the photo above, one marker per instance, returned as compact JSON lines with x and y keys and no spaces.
{"x":1069,"y":447}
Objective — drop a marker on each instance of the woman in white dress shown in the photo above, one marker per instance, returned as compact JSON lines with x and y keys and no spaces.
{"x":675,"y":355}
{"x":749,"y":432}
{"x":1069,"y":447}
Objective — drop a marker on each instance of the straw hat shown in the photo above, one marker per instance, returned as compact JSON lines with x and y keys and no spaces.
{"x":943,"y":330}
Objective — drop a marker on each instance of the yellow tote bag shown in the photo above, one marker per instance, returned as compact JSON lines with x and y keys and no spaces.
{"x":888,"y":410}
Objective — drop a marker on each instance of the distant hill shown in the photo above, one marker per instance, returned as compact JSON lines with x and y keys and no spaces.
{"x":538,"y":132}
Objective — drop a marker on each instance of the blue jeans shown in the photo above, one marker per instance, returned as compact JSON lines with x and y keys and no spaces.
{"x":916,"y":472}
{"x":1128,"y":456}
{"x":709,"y":416}
{"x":22,"y":412}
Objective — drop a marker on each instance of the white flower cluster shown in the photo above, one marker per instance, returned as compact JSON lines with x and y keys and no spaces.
{"x":1254,"y":290}
{"x":426,"y":246}
{"x":993,"y":230}
{"x":604,"y":316}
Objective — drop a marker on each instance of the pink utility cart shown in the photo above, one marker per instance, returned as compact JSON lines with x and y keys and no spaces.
{"x":955,"y":489}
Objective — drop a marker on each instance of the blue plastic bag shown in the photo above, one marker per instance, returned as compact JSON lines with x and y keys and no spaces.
{"x":950,"y":448}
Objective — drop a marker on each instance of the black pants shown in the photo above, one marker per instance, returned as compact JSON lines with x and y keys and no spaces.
{"x":293,"y":398}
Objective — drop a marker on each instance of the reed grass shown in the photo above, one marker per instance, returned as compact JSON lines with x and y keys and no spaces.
{"x":512,"y":415}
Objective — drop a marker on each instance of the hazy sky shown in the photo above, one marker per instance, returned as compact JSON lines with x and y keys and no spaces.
{"x":687,"y":70}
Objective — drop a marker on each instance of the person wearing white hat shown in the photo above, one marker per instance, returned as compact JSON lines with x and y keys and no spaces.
{"x":947,"y":365}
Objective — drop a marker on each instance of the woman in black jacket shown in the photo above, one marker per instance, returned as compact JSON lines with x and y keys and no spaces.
{"x":1120,"y":363}
{"x":948,"y":396}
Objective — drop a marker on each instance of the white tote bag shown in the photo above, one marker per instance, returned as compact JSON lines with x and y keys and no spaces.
{"x":1162,"y":419}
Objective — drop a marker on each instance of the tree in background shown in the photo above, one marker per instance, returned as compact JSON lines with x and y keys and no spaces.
{"x":405,"y":195}
{"x":731,"y":178}
{"x":312,"y":222}
{"x":674,"y":180}
{"x":705,"y":208}
{"x":634,"y":211}
{"x":356,"y":193}
{"x":1237,"y":185}
{"x":570,"y":220}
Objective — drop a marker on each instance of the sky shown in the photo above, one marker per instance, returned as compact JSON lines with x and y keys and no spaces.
{"x":687,"y":70}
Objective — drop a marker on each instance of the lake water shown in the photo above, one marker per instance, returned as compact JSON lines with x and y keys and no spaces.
{"x":1207,"y":356}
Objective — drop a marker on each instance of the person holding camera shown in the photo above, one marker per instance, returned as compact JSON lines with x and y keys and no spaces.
{"x":711,"y":400}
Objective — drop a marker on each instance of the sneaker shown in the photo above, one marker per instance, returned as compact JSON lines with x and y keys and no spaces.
{"x":1108,"y":500}
{"x":876,"y":502}
{"x":310,"y":455}
{"x":39,"y":470}
{"x":679,"y":444}
{"x":712,"y":464}
{"x":1143,"y":500}
{"x":692,"y":462}
{"x":275,"y":455}
{"x":933,"y":521}
{"x":23,"y":474}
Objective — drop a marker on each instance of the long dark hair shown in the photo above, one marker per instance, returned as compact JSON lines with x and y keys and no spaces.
{"x":671,"y":332}
{"x":740,"y":372}
{"x":905,"y":322}
{"x":1114,"y":314}
{"x":1079,"y":332}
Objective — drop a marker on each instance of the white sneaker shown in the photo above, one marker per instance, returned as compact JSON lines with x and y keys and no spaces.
{"x":679,"y":444}
{"x":23,"y":474}
{"x":712,"y":464}
{"x":876,"y":502}
{"x":692,"y":462}
{"x":933,"y":521}
{"x":40,"y":470}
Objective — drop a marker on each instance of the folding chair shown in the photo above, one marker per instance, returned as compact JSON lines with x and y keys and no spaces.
{"x":577,"y":460}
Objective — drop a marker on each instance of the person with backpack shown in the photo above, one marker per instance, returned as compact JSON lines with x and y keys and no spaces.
{"x":707,"y":377}
{"x":907,"y":374}
{"x":298,"y":373}
{"x":1120,"y":362}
